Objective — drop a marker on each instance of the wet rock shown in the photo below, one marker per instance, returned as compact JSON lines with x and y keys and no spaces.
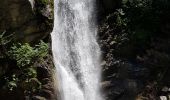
{"x":45,"y":75}
{"x":38,"y":98}
{"x":18,"y":18}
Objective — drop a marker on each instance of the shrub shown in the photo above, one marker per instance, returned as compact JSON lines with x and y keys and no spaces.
{"x":26,"y":76}
{"x":25,"y":54}
{"x":41,"y":49}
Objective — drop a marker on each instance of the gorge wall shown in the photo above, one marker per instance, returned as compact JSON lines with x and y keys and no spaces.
{"x":133,"y":36}
{"x":26,"y":24}
{"x":20,"y":23}
{"x":134,"y":39}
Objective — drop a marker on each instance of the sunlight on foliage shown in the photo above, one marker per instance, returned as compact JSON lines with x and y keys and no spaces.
{"x":25,"y":54}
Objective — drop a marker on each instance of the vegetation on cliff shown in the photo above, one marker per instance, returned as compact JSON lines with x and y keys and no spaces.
{"x":133,"y":35}
{"x":135,"y":43}
{"x":26,"y":66}
{"x":21,"y":65}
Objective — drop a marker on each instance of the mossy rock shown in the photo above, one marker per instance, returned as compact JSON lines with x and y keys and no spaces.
{"x":21,"y":20}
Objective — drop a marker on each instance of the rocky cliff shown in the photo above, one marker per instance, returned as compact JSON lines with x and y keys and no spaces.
{"x":21,"y":22}
{"x":24,"y":22}
{"x":134,"y":39}
{"x":133,"y":36}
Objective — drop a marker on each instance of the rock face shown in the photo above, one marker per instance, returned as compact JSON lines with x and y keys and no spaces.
{"x":27,"y":24}
{"x":133,"y":70}
{"x":18,"y":18}
{"x":45,"y":75}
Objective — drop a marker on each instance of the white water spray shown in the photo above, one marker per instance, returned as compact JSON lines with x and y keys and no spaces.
{"x":32,"y":2}
{"x":75,"y":50}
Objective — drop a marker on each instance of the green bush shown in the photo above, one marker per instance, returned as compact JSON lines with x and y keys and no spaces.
{"x":26,"y":55}
{"x":23,"y":54}
{"x":11,"y":83}
{"x":41,"y":49}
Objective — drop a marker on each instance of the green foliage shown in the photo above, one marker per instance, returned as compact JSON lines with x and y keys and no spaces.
{"x":12,"y":83}
{"x":120,"y":21}
{"x":44,"y":2}
{"x":146,"y":24}
{"x":28,"y":81}
{"x":146,"y":19}
{"x":30,"y":72}
{"x":26,"y":76}
{"x":5,"y":39}
{"x":25,"y":54}
{"x":32,"y":85}
{"x":41,"y":49}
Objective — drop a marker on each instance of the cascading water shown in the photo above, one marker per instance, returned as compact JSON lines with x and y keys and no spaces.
{"x":75,"y":50}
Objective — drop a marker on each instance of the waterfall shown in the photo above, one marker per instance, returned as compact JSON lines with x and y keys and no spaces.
{"x":32,"y":2}
{"x":75,"y":49}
